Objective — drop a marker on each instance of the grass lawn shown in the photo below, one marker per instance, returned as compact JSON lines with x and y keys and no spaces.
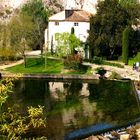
{"x":37,"y":65}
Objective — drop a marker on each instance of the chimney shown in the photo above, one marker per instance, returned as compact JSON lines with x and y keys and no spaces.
{"x":68,"y":13}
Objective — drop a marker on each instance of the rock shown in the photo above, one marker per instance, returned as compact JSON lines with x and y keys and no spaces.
{"x":124,"y":137}
{"x":115,"y":134}
{"x":92,"y":138}
{"x":138,"y":133}
{"x":100,"y":137}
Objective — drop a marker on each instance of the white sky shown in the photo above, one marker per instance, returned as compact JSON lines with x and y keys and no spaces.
{"x":13,"y":3}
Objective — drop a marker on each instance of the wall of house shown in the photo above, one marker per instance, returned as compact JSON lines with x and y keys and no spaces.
{"x":81,"y":31}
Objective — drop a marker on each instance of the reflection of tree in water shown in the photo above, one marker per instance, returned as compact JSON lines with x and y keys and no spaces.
{"x":115,"y":99}
{"x":29,"y":91}
{"x":73,"y":90}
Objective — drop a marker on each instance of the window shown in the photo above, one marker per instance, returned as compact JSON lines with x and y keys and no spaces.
{"x":56,"y":23}
{"x":75,"y":24}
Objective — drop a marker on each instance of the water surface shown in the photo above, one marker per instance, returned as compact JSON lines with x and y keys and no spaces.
{"x":74,"y":104}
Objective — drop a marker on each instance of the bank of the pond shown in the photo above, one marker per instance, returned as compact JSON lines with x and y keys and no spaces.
{"x":51,"y":76}
{"x":126,"y":72}
{"x":131,"y":132}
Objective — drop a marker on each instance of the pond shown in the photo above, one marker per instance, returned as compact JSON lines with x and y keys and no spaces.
{"x":72,"y":105}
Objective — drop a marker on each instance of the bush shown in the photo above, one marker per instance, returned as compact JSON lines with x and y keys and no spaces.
{"x":137,"y":57}
{"x":125,"y":44}
{"x":73,"y":62}
{"x":97,"y":60}
{"x":113,"y":64}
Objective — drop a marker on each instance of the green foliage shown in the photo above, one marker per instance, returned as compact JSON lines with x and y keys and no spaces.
{"x":31,"y":62}
{"x":73,"y":42}
{"x":22,"y":32}
{"x":36,"y":10}
{"x":6,"y":50}
{"x":5,"y":88}
{"x":137,"y":57}
{"x":36,"y":65}
{"x":113,"y":64}
{"x":105,"y":35}
{"x":100,"y":61}
{"x":127,"y":2}
{"x":125,"y":44}
{"x":13,"y":125}
{"x":62,"y":44}
{"x":66,"y":43}
{"x":17,"y":36}
{"x":7,"y":54}
{"x":97,"y":60}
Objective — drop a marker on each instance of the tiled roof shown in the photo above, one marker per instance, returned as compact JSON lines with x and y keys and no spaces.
{"x":77,"y":15}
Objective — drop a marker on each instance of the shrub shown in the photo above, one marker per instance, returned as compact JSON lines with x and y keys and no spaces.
{"x":137,"y":57}
{"x":125,"y":44}
{"x":73,"y":62}
{"x":113,"y":64}
{"x":97,"y":60}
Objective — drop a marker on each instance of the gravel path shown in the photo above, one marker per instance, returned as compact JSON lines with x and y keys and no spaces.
{"x":126,"y":72}
{"x":4,"y":66}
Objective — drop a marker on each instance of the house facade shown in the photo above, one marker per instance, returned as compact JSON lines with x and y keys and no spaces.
{"x":64,"y":22}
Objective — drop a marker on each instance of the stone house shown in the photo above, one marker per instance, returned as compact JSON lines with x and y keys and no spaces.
{"x":64,"y":22}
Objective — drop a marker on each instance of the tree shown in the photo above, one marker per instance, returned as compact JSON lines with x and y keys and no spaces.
{"x":66,"y":43}
{"x":6,"y":51}
{"x":74,"y":42}
{"x":129,"y":34}
{"x":36,"y":10}
{"x":125,"y":44}
{"x":23,"y":35}
{"x":106,"y":27}
{"x":127,"y":2}
{"x":134,"y":43}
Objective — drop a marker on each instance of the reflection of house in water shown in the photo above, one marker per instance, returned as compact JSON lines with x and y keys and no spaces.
{"x":84,"y":92}
{"x":59,"y":91}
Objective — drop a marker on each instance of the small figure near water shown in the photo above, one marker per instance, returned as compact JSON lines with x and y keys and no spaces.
{"x":136,"y":66}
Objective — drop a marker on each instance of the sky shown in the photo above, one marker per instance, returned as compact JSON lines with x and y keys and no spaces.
{"x":13,"y":3}
{"x":89,"y":5}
